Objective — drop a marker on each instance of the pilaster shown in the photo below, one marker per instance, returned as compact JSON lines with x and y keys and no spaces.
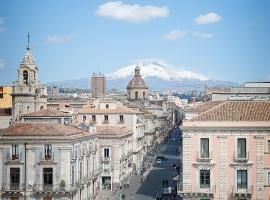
{"x":260,"y":167}
{"x":223,"y":155}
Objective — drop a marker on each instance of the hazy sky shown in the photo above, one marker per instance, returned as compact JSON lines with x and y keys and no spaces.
{"x":224,"y":40}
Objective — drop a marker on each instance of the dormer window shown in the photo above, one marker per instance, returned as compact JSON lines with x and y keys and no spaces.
{"x":25,"y":77}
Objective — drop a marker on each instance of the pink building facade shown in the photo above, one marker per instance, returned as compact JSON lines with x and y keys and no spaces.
{"x":226,"y":153}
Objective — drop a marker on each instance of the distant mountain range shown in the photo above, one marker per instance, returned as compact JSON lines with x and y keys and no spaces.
{"x":157,"y":75}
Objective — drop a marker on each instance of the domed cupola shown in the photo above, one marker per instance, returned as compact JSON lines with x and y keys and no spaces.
{"x":137,"y":88}
{"x":137,"y":81}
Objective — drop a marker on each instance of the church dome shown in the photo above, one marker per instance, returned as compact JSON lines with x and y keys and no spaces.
{"x":137,"y":82}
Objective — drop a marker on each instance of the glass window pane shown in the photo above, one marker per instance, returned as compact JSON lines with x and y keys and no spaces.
{"x":205,"y":147}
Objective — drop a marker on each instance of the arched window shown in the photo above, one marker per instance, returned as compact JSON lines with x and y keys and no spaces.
{"x":41,"y":107}
{"x":143,"y":95}
{"x":136,"y":95}
{"x":25,"y":77}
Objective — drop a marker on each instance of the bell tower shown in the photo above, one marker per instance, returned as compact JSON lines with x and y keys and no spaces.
{"x":28,"y":93}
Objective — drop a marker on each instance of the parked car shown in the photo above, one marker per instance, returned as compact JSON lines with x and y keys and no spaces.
{"x":161,"y":158}
{"x":159,"y":161}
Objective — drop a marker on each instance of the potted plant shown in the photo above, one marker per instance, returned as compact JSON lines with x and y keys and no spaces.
{"x":62,"y":184}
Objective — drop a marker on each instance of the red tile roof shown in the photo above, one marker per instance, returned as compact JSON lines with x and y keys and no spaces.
{"x":204,"y":107}
{"x":47,"y":113}
{"x":111,"y":130}
{"x":88,"y":109}
{"x":237,"y":111}
{"x":42,"y":129}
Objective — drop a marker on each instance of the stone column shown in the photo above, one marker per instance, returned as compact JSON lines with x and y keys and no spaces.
{"x":223,"y":155}
{"x":259,"y":167}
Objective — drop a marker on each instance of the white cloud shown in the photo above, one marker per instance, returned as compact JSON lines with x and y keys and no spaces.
{"x":58,"y":39}
{"x":2,"y":63}
{"x":175,"y":35}
{"x":202,"y":35}
{"x":132,"y":13}
{"x":2,"y":28}
{"x":209,"y":18}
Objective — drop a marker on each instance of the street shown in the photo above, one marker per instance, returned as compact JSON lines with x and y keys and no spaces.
{"x":157,"y":176}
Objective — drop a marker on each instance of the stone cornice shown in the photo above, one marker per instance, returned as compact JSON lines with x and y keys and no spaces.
{"x":225,"y":128}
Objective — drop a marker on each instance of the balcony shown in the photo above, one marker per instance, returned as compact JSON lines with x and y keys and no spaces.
{"x":15,"y":159}
{"x":105,"y":122}
{"x":121,"y":122}
{"x":52,"y":188}
{"x":46,"y":158}
{"x":204,"y":157}
{"x":242,"y":192}
{"x":106,"y":159}
{"x":241,"y":158}
{"x":196,"y":190}
{"x":14,"y":186}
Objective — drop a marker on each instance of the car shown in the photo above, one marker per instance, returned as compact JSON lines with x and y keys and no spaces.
{"x":161,"y":157}
{"x":173,"y":139}
{"x":159,"y":161}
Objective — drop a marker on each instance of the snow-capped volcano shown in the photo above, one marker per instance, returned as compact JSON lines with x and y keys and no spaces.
{"x":157,"y":69}
{"x":158,"y":76}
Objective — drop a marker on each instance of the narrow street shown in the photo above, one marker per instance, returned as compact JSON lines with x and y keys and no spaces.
{"x":158,"y":175}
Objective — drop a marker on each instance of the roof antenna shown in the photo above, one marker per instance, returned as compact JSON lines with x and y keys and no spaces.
{"x":28,"y":41}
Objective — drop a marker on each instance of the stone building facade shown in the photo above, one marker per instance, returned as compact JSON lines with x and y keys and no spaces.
{"x":108,"y":112}
{"x":48,"y":161}
{"x":226,"y":152}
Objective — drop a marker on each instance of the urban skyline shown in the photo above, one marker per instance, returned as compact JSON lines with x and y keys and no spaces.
{"x":221,"y":40}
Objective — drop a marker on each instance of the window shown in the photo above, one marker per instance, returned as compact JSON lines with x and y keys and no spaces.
{"x":81,"y":172}
{"x":268,"y":146}
{"x":25,"y":77}
{"x":72,"y":175}
{"x":204,"y":178}
{"x":268,"y":178}
{"x":136,"y":95}
{"x":48,"y":151}
{"x":1,"y":92}
{"x":121,"y":118}
{"x":204,"y":147}
{"x":241,"y":148}
{"x":14,"y":178}
{"x":242,"y":179}
{"x":106,"y":153}
{"x":143,"y":95}
{"x":107,"y":105}
{"x":84,"y":118}
{"x":47,"y":178}
{"x":106,"y":118}
{"x":15,"y":152}
{"x":93,"y":118}
{"x":87,"y":167}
